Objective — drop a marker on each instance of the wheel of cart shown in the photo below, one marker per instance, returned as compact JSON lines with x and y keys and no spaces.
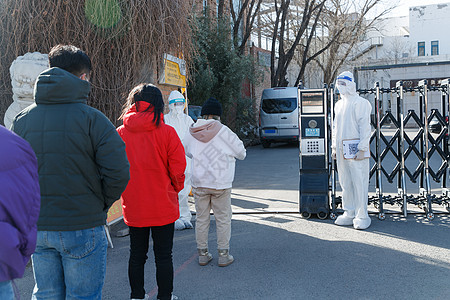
{"x":322,"y":215}
{"x":381,"y":216}
{"x":306,"y":215}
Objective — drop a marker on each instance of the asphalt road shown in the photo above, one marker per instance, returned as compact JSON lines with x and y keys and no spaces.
{"x":282,"y":256}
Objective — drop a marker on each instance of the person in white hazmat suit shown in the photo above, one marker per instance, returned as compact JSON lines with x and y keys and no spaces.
{"x":352,"y":123}
{"x":181,"y":122}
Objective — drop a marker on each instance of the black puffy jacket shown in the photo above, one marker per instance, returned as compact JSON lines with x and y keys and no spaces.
{"x":83,"y":166}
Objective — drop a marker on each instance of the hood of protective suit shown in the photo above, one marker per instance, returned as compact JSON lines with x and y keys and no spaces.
{"x":176,"y":97}
{"x":205,"y":130}
{"x":345,"y":83}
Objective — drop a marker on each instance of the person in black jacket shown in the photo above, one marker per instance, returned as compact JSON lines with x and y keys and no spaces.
{"x":83,"y":170}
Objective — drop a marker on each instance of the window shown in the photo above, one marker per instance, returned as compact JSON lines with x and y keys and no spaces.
{"x":280,"y":105}
{"x":421,"y":48}
{"x":434,"y":47}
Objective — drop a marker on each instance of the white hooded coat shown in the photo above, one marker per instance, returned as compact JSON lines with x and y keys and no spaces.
{"x":181,"y":122}
{"x":352,"y":122}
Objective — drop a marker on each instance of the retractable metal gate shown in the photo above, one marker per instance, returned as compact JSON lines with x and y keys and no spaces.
{"x":401,"y":145}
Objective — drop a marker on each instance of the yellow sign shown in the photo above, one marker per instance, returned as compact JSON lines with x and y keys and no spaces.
{"x":114,"y":212}
{"x":174,"y":71}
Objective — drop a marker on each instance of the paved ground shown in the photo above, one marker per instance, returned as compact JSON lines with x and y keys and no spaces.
{"x":282,"y":256}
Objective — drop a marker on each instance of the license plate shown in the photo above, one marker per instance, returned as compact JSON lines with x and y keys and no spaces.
{"x":269,"y":131}
{"x":312,"y":131}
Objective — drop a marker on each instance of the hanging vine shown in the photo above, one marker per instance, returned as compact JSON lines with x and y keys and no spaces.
{"x":125,"y":40}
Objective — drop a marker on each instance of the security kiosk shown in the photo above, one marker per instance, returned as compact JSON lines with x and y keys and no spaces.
{"x":313,"y":152}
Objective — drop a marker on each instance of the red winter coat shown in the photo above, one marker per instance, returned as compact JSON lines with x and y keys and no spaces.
{"x":157,"y":164}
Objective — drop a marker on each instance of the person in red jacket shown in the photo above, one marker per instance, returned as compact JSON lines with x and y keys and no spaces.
{"x":150,"y":201}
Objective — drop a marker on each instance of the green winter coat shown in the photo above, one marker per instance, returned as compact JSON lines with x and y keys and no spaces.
{"x":83,"y":167}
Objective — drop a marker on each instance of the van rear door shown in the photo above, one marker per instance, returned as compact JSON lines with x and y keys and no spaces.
{"x":279,"y":113}
{"x":270,"y":120}
{"x":288,"y":123}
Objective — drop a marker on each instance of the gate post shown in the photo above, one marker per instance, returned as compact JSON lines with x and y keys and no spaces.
{"x":402,"y":180}
{"x":379,"y":184}
{"x":333,"y":214}
{"x":428,"y":209}
{"x":445,"y":85}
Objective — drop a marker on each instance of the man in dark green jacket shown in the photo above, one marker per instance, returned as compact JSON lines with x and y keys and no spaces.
{"x":83,"y":170}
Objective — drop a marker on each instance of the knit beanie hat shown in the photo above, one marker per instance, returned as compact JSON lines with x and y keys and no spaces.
{"x":212,"y":107}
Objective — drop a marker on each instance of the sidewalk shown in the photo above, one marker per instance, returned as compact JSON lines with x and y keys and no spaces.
{"x":282,"y":256}
{"x":285,"y":257}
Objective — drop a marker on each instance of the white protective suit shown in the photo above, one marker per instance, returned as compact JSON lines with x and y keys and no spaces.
{"x":181,"y":122}
{"x":352,"y":122}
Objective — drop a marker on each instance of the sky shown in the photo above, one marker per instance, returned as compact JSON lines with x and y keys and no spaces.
{"x":403,"y":5}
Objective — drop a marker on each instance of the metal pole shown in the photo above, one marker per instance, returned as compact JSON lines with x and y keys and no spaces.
{"x":421,"y":181}
{"x":400,"y":94}
{"x":429,"y":211}
{"x":333,"y":162}
{"x":325,"y":102}
{"x":379,"y":178}
{"x":445,"y":111}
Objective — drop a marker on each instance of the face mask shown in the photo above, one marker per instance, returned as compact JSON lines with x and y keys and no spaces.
{"x":179,"y":110}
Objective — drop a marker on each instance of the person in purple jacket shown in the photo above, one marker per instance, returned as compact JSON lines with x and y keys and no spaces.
{"x":19,"y":208}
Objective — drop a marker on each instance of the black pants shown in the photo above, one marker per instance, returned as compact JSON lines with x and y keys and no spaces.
{"x":162,"y":237}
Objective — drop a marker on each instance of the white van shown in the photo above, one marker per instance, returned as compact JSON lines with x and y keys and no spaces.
{"x":278,"y":115}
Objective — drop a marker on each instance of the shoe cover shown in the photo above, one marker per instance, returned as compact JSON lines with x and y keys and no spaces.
{"x":187,"y":224}
{"x":361,"y":223}
{"x":179,"y":225}
{"x":344,"y":220}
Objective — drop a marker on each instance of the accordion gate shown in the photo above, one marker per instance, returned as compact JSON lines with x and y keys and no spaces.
{"x":421,"y":146}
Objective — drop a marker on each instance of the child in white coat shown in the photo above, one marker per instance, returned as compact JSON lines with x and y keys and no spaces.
{"x":214,"y":149}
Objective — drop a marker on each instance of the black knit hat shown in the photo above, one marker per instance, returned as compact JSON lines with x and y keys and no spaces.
{"x":212,"y":107}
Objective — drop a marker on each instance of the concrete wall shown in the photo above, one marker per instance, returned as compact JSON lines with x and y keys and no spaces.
{"x":430,"y":23}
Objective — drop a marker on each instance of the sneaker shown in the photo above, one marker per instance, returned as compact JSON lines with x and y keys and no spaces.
{"x":225,"y":258}
{"x":204,"y":257}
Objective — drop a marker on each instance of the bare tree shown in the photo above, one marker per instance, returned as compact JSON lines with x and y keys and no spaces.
{"x":243,"y":20}
{"x":303,"y":33}
{"x":349,"y":18}
{"x":398,"y":48}
{"x":295,"y":27}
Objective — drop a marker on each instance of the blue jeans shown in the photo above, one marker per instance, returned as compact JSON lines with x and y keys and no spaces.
{"x":70,"y":264}
{"x":6,"y":290}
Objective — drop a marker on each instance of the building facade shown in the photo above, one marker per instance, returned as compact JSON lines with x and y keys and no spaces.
{"x":410,"y":49}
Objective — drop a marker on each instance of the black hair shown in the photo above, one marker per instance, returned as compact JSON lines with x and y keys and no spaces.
{"x":70,"y":58}
{"x":147,"y":93}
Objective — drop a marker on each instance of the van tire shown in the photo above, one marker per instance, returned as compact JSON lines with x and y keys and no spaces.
{"x":265,"y":144}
